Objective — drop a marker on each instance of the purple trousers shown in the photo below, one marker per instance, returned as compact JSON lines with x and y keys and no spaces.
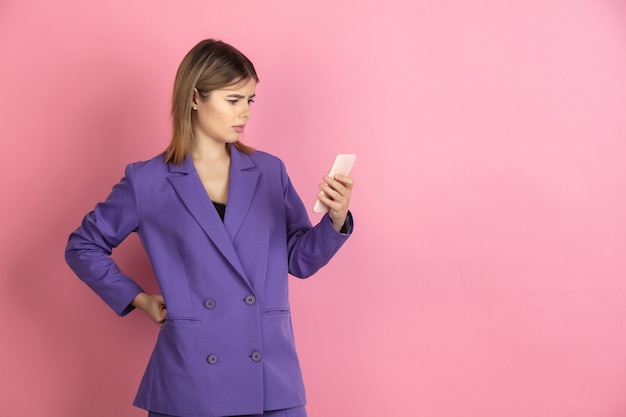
{"x":289,"y":412}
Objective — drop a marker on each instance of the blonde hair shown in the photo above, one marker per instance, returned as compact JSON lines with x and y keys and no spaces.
{"x":210,"y":65}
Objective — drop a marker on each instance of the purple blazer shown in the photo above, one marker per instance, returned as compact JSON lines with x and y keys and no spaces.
{"x":227,"y":345}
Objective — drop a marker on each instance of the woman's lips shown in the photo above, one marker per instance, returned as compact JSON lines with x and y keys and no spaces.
{"x":239,"y":128}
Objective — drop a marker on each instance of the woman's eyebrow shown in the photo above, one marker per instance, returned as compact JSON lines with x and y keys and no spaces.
{"x":239,"y":96}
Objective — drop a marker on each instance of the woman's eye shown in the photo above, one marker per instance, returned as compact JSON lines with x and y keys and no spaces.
{"x":250,"y":101}
{"x":233,"y":102}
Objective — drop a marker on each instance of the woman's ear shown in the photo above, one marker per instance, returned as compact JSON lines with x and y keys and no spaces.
{"x":194,"y":98}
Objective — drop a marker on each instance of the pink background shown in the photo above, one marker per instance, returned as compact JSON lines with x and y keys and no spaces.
{"x":487,"y":273}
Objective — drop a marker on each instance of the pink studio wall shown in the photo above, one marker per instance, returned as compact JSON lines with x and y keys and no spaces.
{"x":487,"y":273}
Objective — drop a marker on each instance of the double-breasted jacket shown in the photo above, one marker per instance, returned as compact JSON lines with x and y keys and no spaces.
{"x":227,"y":345}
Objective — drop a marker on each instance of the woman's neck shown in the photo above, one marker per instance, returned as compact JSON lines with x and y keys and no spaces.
{"x":209,"y":151}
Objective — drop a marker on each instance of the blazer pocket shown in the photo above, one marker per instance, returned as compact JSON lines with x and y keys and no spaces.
{"x":182,"y":321}
{"x":271,"y":311}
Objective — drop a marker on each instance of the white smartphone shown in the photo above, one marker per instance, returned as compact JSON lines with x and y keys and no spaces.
{"x":341,"y":165}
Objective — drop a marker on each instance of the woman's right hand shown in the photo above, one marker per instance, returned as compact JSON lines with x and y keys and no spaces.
{"x":153,"y":305}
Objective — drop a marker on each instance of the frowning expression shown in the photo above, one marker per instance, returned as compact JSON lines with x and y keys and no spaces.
{"x":222,"y":115}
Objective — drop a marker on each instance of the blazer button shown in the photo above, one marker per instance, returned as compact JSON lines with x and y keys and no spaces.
{"x":256,"y":356}
{"x":212,"y":359}
{"x":250,"y":300}
{"x":209,"y":303}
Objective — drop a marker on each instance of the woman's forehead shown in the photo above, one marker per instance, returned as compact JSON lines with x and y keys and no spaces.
{"x":246,"y":87}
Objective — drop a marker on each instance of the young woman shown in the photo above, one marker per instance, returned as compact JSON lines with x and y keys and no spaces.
{"x":223,"y":227}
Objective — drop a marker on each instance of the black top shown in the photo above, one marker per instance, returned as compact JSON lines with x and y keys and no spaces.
{"x":221,"y":209}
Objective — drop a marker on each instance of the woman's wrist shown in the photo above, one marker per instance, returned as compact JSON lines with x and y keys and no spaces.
{"x":140,"y":301}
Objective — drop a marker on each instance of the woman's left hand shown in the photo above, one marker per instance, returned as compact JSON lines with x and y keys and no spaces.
{"x":336,"y":193}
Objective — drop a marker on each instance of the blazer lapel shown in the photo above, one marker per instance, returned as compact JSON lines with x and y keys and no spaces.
{"x":189,"y":188}
{"x":242,"y":185}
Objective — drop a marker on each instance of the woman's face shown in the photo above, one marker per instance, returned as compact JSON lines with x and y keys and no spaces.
{"x":223,"y":115}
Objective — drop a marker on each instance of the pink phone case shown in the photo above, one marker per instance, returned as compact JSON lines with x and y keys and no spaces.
{"x":341,"y":165}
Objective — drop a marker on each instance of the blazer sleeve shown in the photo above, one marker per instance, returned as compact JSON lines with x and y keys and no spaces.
{"x":309,"y":247}
{"x":89,"y":247}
